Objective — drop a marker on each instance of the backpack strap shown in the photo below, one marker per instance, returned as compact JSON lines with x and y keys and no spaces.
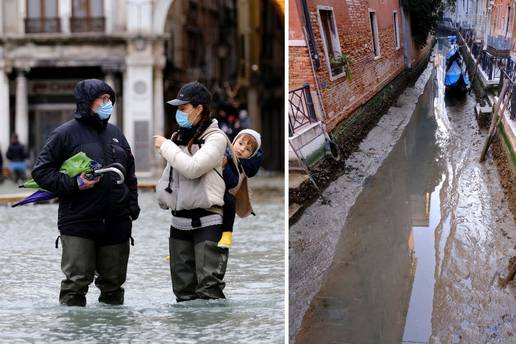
{"x":229,"y":144}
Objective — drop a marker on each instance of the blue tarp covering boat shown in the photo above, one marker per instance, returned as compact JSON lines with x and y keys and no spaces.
{"x":456,"y":78}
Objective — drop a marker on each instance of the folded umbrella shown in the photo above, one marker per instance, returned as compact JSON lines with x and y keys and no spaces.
{"x":38,"y":196}
{"x":73,"y":166}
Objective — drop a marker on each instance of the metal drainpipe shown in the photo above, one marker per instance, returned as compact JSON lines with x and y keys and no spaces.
{"x":315,"y":62}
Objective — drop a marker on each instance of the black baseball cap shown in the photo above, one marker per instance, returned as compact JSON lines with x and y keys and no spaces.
{"x":192,"y":92}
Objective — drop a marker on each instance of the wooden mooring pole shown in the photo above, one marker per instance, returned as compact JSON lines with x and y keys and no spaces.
{"x":495,"y":118}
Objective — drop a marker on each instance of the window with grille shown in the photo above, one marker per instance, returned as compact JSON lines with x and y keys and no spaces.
{"x":87,"y":16}
{"x":42,"y":16}
{"x":374,"y":31}
{"x":330,"y":39}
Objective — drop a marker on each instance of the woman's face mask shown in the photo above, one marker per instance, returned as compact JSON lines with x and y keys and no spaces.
{"x":182,"y":119}
{"x":187,"y":116}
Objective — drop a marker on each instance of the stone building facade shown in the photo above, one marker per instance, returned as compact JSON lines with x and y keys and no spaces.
{"x":145,"y":49}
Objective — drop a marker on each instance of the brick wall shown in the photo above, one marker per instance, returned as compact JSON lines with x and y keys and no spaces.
{"x":343,"y":96}
{"x":300,"y":68}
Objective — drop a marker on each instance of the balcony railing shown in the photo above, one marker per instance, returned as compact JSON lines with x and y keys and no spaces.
{"x":42,"y":25}
{"x":476,"y":49}
{"x":492,"y":65}
{"x":301,"y":109}
{"x":88,"y":24}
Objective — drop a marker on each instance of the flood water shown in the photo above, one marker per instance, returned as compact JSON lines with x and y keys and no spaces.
{"x":30,"y":270}
{"x":421,"y":249}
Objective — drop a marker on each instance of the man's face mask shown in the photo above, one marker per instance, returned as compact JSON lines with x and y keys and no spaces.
{"x":104,"y":111}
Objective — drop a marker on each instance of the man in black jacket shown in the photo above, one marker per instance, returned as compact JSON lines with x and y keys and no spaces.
{"x":95,"y":215}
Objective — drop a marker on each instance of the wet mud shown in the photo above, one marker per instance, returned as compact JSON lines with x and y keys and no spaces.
{"x":507,"y":177}
{"x":415,"y":258}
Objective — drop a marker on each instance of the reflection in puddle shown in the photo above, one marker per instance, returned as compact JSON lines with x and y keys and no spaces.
{"x":418,"y":325}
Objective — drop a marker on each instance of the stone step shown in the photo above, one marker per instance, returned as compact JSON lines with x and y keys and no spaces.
{"x":293,"y":209}
{"x":295,"y":180}
{"x":483,"y":110}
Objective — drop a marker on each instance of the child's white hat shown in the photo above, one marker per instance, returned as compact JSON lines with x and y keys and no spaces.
{"x":255,"y":135}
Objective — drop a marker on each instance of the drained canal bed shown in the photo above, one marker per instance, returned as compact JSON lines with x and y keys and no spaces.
{"x":30,"y":270}
{"x":423,"y":245}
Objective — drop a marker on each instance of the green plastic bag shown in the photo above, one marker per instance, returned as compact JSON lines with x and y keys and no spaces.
{"x":72,"y":166}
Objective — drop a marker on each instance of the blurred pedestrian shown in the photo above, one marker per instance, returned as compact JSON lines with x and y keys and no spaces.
{"x":243,"y":116}
{"x":193,"y":188}
{"x":17,"y":155}
{"x":95,"y":214}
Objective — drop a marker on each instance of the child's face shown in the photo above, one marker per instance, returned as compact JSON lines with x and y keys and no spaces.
{"x":243,"y":148}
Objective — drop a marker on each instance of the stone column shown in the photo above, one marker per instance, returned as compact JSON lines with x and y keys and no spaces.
{"x":109,"y":15}
{"x":158,"y":114}
{"x":159,"y":105}
{"x":21,"y":123}
{"x":139,"y":105}
{"x":65,"y":12}
{"x":111,"y":81}
{"x":22,"y":14}
{"x":253,"y":107}
{"x":4,"y":111}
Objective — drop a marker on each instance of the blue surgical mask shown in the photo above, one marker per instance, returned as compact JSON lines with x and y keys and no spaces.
{"x":104,"y":111}
{"x":182,"y":119}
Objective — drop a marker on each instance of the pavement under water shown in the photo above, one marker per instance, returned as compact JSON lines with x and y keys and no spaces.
{"x":422,"y":247}
{"x":30,"y":268}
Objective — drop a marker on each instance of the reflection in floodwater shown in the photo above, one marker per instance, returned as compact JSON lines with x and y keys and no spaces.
{"x":422,"y":244}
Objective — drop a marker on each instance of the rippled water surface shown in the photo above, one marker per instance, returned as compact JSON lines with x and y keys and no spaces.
{"x":30,"y":271}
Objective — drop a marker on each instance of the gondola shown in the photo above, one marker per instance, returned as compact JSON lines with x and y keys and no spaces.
{"x":456,"y":79}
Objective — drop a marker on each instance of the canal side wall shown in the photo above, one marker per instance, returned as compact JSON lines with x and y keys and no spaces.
{"x":362,"y":120}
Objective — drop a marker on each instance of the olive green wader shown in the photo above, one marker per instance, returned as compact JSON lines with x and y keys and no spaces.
{"x":82,"y":259}
{"x":197,"y":264}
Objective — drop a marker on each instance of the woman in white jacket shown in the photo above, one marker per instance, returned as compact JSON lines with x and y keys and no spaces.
{"x":193,"y":189}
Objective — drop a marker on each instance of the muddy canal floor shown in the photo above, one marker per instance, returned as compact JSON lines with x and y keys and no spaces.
{"x":424,"y":244}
